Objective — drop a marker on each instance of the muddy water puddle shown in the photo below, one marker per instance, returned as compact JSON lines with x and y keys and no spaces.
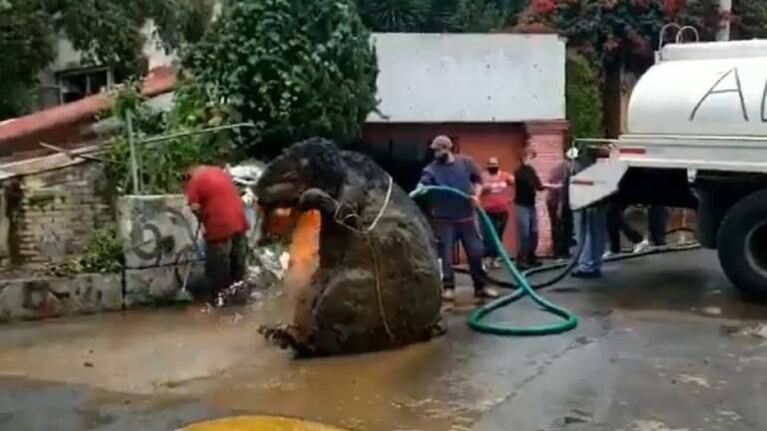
{"x":217,"y":357}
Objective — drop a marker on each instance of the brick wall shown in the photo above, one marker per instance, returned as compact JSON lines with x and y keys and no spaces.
{"x":50,"y":216}
{"x":547,"y":139}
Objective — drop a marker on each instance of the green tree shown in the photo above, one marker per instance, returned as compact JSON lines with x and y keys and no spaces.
{"x":584,"y":103}
{"x":750,"y":19}
{"x":473,"y":16}
{"x":395,"y":15}
{"x":25,"y":48}
{"x":163,"y":164}
{"x":607,"y":31}
{"x":429,"y":16}
{"x":627,"y":31}
{"x":294,"y":69}
{"x":106,"y":32}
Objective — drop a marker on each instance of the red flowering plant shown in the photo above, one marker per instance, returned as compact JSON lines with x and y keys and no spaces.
{"x":629,"y":29}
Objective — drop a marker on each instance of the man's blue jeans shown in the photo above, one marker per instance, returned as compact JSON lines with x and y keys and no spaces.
{"x":595,"y":237}
{"x":447,"y":234}
{"x":527,"y":229}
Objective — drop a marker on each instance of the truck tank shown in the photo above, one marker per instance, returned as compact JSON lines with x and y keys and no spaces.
{"x":697,"y":138}
{"x":702,"y":106}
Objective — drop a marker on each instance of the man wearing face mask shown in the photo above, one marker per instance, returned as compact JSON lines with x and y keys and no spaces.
{"x":453,"y":217}
{"x":497,"y":192}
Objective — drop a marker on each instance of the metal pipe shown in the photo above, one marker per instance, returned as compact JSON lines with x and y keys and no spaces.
{"x":133,"y":158}
{"x":193,"y":133}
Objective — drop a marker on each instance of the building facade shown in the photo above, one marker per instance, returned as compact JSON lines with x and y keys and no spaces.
{"x":493,"y":94}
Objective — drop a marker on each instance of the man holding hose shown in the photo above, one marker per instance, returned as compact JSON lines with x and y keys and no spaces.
{"x":454,"y":217}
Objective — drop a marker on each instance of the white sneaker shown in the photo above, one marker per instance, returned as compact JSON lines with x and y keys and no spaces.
{"x":487,"y":293}
{"x":448,"y":294}
{"x":642,"y":246}
{"x":608,"y":255}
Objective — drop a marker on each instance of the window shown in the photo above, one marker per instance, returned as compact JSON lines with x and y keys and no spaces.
{"x":80,"y":83}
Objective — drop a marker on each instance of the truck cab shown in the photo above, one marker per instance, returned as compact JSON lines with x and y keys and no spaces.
{"x":696,"y":138}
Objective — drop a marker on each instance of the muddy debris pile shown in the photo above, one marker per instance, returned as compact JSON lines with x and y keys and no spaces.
{"x":266,"y":271}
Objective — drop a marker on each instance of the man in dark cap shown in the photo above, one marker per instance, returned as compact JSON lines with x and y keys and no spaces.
{"x":453,"y":217}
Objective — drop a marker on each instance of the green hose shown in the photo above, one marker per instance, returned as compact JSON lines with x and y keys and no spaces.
{"x":569,"y":321}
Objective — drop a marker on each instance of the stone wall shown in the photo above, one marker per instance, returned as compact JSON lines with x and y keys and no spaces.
{"x":157,"y":232}
{"x":548,"y":140}
{"x":49,"y":212}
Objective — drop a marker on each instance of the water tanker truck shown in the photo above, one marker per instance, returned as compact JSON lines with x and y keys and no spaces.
{"x":697,"y":138}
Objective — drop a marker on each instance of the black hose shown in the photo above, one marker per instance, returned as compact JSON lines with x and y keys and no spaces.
{"x":567,"y":267}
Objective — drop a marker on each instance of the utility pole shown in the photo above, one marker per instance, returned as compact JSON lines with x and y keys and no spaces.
{"x":725,"y":8}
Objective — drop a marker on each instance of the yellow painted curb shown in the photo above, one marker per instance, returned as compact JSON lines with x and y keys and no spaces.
{"x":258,"y":423}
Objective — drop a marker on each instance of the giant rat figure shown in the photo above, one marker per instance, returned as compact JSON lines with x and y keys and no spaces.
{"x":378,"y":284}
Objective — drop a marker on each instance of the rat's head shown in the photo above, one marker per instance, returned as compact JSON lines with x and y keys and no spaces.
{"x":314,"y":163}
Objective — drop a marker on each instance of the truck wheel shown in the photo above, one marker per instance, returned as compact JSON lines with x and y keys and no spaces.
{"x":742,"y":245}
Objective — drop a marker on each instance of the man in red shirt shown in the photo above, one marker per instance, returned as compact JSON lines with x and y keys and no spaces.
{"x":497,"y":191}
{"x":217,"y":204}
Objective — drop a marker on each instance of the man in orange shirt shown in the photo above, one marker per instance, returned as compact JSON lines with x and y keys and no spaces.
{"x":217,"y":204}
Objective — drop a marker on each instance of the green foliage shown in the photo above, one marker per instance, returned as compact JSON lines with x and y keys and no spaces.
{"x":627,"y":31}
{"x":25,"y":48}
{"x":704,"y":15}
{"x":606,"y":30}
{"x":584,"y":100}
{"x":436,"y":15}
{"x":107,"y":32}
{"x":477,"y":16}
{"x":395,"y":15}
{"x":750,"y":19}
{"x":103,"y":255}
{"x":294,"y":69}
{"x":161,"y":165}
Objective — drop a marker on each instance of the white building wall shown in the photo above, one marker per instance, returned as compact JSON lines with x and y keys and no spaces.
{"x":437,"y":78}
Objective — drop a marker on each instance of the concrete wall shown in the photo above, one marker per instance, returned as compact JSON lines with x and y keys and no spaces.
{"x":442,"y":78}
{"x":39,"y":298}
{"x":159,"y":232}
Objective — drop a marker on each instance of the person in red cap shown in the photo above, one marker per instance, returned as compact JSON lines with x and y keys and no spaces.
{"x":216,"y":202}
{"x":497,"y":192}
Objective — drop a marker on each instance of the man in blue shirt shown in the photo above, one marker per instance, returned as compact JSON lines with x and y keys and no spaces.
{"x":454,"y":217}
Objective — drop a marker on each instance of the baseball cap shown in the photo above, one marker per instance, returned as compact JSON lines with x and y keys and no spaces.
{"x":442,"y":142}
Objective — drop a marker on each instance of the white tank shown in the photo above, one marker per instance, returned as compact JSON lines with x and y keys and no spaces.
{"x":703,"y":89}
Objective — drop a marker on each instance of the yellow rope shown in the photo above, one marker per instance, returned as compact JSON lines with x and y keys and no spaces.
{"x":381,"y":309}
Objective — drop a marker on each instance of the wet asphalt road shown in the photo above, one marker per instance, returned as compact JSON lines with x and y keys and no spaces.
{"x":663,"y":345}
